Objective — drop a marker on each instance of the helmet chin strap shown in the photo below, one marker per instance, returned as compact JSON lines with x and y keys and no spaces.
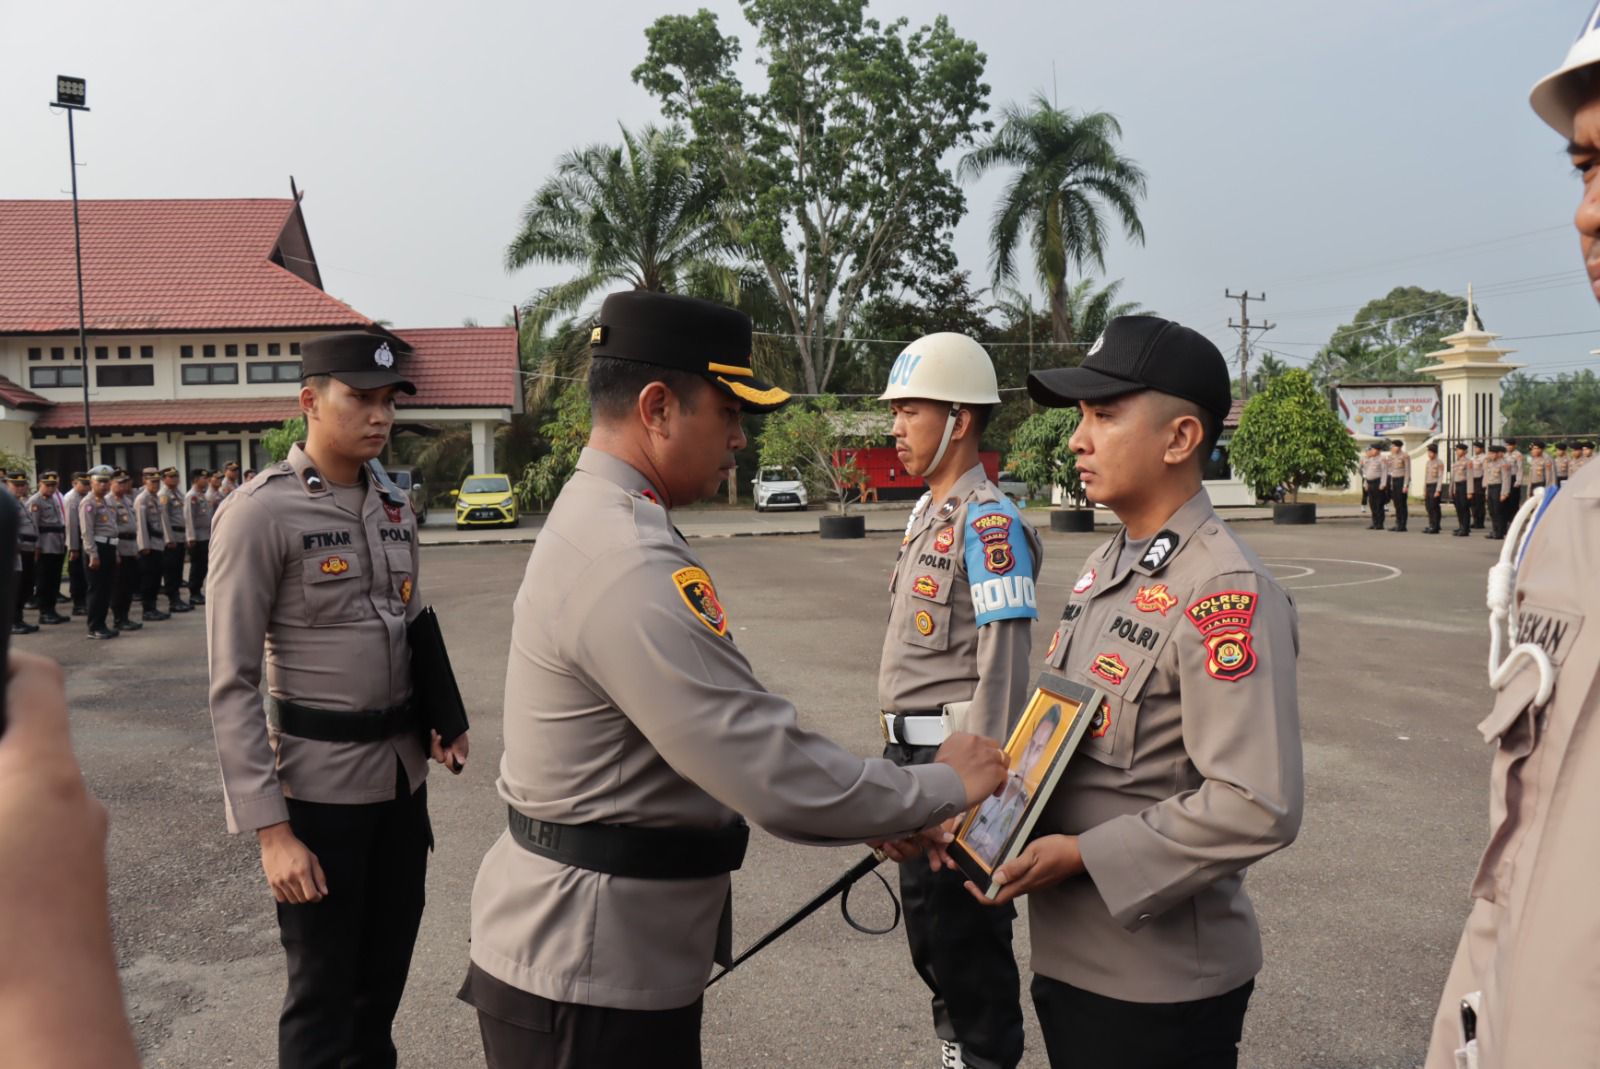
{"x":944,"y":442}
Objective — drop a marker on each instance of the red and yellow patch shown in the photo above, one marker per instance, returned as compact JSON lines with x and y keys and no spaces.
{"x":335,"y":566}
{"x":926,"y":585}
{"x":1085,"y":581}
{"x":999,"y":559}
{"x":1155,"y":599}
{"x":993,"y":527}
{"x":1110,"y":667}
{"x":1226,"y":608}
{"x":1055,"y":643}
{"x":1101,"y":724}
{"x":944,"y":540}
{"x":1229,"y":656}
{"x":924,"y":622}
{"x":394,"y":512}
{"x":405,"y":591}
{"x":694,"y":586}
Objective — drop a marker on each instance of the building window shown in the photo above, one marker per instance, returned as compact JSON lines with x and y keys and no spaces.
{"x":252,"y":349}
{"x":134,"y":375}
{"x":58,"y":353}
{"x":35,"y":354}
{"x":209,"y":455}
{"x":101,"y":352}
{"x":41,"y":378}
{"x":259,"y":457}
{"x":273,"y":348}
{"x":230,"y":350}
{"x":186,"y":351}
{"x":210,"y":374}
{"x":208,"y":350}
{"x":124,"y":352}
{"x":284,"y":371}
{"x":294,"y":348}
{"x":147,"y":352}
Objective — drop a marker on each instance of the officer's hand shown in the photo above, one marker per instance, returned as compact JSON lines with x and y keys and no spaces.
{"x":94,"y":561}
{"x":454,"y":756}
{"x":73,"y":555}
{"x":980,"y":762}
{"x":1047,"y":860}
{"x":292,"y":869}
{"x":899,"y":850}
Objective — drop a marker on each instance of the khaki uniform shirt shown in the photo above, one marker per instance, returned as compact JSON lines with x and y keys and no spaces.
{"x":961,"y":610}
{"x":1563,"y":465}
{"x":69,"y":509}
{"x":627,"y":702}
{"x":1433,"y":472}
{"x":1496,"y":479}
{"x":1516,"y":464}
{"x":1577,"y":463}
{"x":1461,"y":471}
{"x":327,"y":593}
{"x":1531,"y":942}
{"x":97,"y":522}
{"x":49,"y":519}
{"x":1397,"y":466}
{"x":1192,"y":773}
{"x":152,"y":531}
{"x":27,"y":532}
{"x":127,"y":524}
{"x":1541,"y":470}
{"x":197,"y":515}
{"x":1480,"y":465}
{"x":173,"y":527}
{"x":1374,"y":468}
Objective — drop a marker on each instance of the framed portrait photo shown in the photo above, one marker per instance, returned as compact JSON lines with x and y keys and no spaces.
{"x":1044,"y":740}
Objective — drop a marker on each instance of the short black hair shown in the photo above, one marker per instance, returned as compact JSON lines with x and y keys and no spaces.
{"x":614,"y":385}
{"x":981,"y":415}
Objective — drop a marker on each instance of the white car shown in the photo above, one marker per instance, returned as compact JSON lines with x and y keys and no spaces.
{"x":779,"y":488}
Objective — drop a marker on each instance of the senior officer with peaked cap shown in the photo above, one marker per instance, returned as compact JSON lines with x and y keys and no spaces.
{"x":316,"y":563}
{"x":636,"y":732}
{"x":1522,"y":989}
{"x":1145,"y":945}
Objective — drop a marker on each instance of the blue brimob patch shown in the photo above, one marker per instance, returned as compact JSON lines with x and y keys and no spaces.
{"x":999,"y":563}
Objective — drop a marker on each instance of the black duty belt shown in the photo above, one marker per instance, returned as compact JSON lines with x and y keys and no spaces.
{"x":638,"y":853}
{"x":52,"y":528}
{"x":338,"y":725}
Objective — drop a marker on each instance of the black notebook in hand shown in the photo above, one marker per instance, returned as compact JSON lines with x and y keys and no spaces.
{"x":433,"y":681}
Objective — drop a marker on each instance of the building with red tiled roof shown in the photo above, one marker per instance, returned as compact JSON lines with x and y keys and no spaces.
{"x":195,"y":313}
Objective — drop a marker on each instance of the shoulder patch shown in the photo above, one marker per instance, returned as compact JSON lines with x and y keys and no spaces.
{"x":1226,"y":608}
{"x":1223,"y":620}
{"x":999,"y":565}
{"x":694,"y":586}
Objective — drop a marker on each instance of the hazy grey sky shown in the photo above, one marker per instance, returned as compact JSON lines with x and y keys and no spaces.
{"x":1322,"y":152}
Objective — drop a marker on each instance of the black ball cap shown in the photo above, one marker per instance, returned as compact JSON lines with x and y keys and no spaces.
{"x":1141,"y":353}
{"x":360,"y":360}
{"x":1433,"y":447}
{"x":686,"y":334}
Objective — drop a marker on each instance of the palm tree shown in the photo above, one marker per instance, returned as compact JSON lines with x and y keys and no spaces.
{"x":1068,"y":174}
{"x":641,"y":214}
{"x":1091,"y":310}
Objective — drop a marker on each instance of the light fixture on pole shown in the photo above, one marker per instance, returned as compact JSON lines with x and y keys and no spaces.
{"x":71,"y":96}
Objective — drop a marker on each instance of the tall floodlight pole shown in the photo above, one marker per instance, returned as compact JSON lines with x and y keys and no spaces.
{"x":71,"y":96}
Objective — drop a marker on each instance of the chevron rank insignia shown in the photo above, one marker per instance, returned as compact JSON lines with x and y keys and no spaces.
{"x":1161,"y":547}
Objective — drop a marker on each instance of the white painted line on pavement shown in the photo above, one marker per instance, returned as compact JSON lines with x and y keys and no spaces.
{"x":1393,"y":572}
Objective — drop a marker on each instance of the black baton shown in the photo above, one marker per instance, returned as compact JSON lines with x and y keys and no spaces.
{"x":839,"y":887}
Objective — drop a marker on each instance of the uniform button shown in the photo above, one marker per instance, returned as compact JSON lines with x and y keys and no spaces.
{"x":1211,"y":530}
{"x":1143,"y":917}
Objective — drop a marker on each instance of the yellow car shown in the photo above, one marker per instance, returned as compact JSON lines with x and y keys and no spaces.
{"x":485,"y":500}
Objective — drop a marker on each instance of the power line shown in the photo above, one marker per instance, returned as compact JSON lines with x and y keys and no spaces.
{"x":1244,"y":327}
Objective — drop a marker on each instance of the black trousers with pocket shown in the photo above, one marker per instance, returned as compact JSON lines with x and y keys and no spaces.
{"x":127,"y":583}
{"x":1478,"y":502}
{"x":172,"y":573}
{"x":962,"y":950}
{"x":1083,"y":1030}
{"x":199,"y":564}
{"x":77,"y":580}
{"x":100,"y":583}
{"x":1434,"y":503}
{"x":47,"y":581}
{"x":1397,"y":498}
{"x":1463,"y":508}
{"x":524,"y":1031}
{"x":1377,"y":494}
{"x":150,"y":565}
{"x":349,"y":954}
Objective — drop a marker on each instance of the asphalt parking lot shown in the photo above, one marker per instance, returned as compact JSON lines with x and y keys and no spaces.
{"x":1360,"y":916}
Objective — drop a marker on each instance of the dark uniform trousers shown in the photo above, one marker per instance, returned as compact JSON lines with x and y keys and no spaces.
{"x":122,"y":592}
{"x":199,"y":558}
{"x":1435,"y":507}
{"x":150,"y":569}
{"x":1499,"y":512}
{"x":1397,"y":497}
{"x":1463,"y":507}
{"x":524,"y":1031}
{"x":100,"y":582}
{"x":48,"y":580}
{"x":1478,"y":503}
{"x":26,"y":578}
{"x":1375,"y":496}
{"x":348,"y":955}
{"x":963,"y":952}
{"x":77,"y":581}
{"x":172,"y":572}
{"x":1083,"y":1030}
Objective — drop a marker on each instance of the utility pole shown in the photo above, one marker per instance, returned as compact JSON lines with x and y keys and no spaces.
{"x":1244,"y":327}
{"x":71,"y":96}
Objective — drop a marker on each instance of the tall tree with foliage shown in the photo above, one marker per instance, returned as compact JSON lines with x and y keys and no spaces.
{"x":1267,"y":368}
{"x":834,"y":164}
{"x":1568,"y":404}
{"x":1041,"y":454}
{"x":642,"y":214}
{"x":280,"y":439}
{"x":1290,"y":436}
{"x":567,"y":432}
{"x":814,"y":437}
{"x":1068,"y":179}
{"x":1390,"y":337}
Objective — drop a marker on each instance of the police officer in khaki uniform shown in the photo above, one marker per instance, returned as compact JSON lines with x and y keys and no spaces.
{"x":1433,"y":479}
{"x":1517,"y":472}
{"x":1145,"y":947}
{"x":27,"y":553}
{"x":1560,"y":463}
{"x":1541,"y":467}
{"x":314,"y":564}
{"x":1462,"y":491}
{"x":1583,"y":458}
{"x":1525,"y":963}
{"x":1480,"y":463}
{"x":1374,"y":480}
{"x":956,"y":654}
{"x":77,"y":581}
{"x":197,"y":510}
{"x":174,"y":532}
{"x":1397,"y":474}
{"x":97,"y":526}
{"x":49,"y":519}
{"x":152,"y":543}
{"x":636,"y":732}
{"x":127,"y":581}
{"x":1497,"y":489}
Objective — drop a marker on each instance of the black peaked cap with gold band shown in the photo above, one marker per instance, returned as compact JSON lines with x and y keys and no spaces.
{"x":685,"y":334}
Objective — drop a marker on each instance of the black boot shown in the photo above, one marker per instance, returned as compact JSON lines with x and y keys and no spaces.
{"x":126,"y":625}
{"x":101,"y":632}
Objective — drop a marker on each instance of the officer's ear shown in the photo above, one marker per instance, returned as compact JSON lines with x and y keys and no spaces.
{"x":1184,"y":429}
{"x":656,"y":407}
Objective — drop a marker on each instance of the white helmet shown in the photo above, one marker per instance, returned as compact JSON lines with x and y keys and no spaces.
{"x":1557,"y":96}
{"x":943,"y":367}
